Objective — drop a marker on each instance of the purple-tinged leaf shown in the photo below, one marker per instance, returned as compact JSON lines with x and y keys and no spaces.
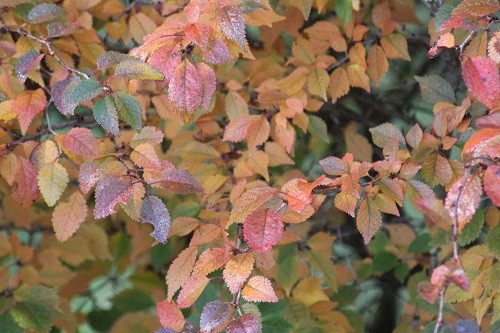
{"x":153,"y":211}
{"x":215,"y":314}
{"x":110,"y":192}
{"x":26,"y":63}
{"x":248,"y":323}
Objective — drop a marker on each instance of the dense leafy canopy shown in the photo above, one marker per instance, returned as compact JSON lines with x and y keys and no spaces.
{"x":249,"y":166}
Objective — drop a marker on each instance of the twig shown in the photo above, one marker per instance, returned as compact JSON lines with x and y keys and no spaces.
{"x":47,"y":43}
{"x":439,"y":320}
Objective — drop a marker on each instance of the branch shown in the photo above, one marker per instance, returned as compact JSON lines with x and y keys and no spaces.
{"x":439,"y":320}
{"x":47,"y":43}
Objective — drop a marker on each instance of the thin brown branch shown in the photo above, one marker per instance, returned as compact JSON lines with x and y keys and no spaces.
{"x":439,"y":320}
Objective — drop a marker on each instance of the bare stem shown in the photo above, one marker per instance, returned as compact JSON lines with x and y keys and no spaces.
{"x":439,"y":320}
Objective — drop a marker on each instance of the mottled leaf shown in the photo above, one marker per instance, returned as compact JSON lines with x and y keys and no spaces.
{"x":263,"y":229}
{"x":185,"y":88}
{"x":247,"y":323}
{"x":237,"y":271}
{"x":27,"y":105}
{"x":52,"y":180}
{"x":106,"y":115}
{"x":135,"y":69}
{"x":215,"y":316}
{"x":45,"y":12}
{"x":180,"y":270}
{"x":463,"y":199}
{"x":369,"y":219}
{"x":155,"y":212}
{"x":170,"y":315}
{"x":128,"y":109}
{"x":482,"y":78}
{"x":79,"y":141}
{"x":26,"y":63}
{"x":110,"y":191}
{"x":249,"y":201}
{"x":259,"y":289}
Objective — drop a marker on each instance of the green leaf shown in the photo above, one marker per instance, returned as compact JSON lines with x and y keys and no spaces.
{"x":317,"y":128}
{"x":400,"y":272}
{"x":420,"y":244}
{"x":7,"y":324}
{"x":106,"y":115}
{"x":343,"y":9}
{"x":384,"y":262}
{"x":35,"y":307}
{"x":128,"y":108}
{"x":472,"y":230}
{"x":136,"y":69}
{"x":73,"y":91}
{"x":272,"y":317}
{"x":435,"y":89}
{"x":444,"y":12}
{"x":493,"y":240}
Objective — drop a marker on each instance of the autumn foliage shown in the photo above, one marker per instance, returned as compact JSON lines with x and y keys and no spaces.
{"x":249,"y":166}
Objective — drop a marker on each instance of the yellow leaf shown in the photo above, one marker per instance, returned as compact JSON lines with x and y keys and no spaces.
{"x":357,"y":54}
{"x":237,"y":270}
{"x":395,"y":46}
{"x":357,"y":77}
{"x":377,"y":63}
{"x":52,"y":181}
{"x":259,"y":289}
{"x":309,"y":292}
{"x":303,"y":5}
{"x":6,"y":112}
{"x":68,"y":215}
{"x":180,"y":269}
{"x":140,"y":25}
{"x":317,"y":82}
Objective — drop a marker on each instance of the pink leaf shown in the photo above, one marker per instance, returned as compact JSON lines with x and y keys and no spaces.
{"x":248,"y":323}
{"x":209,"y":82}
{"x":185,"y":88}
{"x":80,"y":141}
{"x":170,"y":315}
{"x":218,"y":53}
{"x":179,"y":181}
{"x":263,"y":229}
{"x":88,"y":176}
{"x":491,"y":183}
{"x":463,"y":199}
{"x":110,"y":192}
{"x":482,"y":78}
{"x":232,"y":22}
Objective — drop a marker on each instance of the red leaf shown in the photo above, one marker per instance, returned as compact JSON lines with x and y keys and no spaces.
{"x":166,"y":59}
{"x":27,"y":106}
{"x":170,"y":315}
{"x":110,"y":192}
{"x":26,"y":179}
{"x":263,"y":229}
{"x":248,"y":323}
{"x":215,"y":315}
{"x":79,"y":141}
{"x":185,"y":88}
{"x":463,"y":199}
{"x":491,"y":183}
{"x":482,"y":78}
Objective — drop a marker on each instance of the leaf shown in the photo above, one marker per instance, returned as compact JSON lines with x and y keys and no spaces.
{"x":106,"y":115}
{"x":135,"y":69}
{"x":180,"y":270}
{"x":414,"y":136}
{"x":109,"y":192}
{"x":369,"y":219}
{"x":395,"y":46}
{"x":88,"y":176}
{"x":179,"y":181}
{"x":339,"y":83}
{"x":111,"y":58}
{"x":491,"y":183}
{"x":318,"y":129}
{"x":377,"y":63}
{"x":210,"y":260}
{"x":45,"y":12}
{"x":79,"y":141}
{"x":334,"y":166}
{"x":27,"y":106}
{"x":215,"y":316}
{"x":263,"y":229}
{"x":247,"y":323}
{"x":185,"y":89}
{"x":128,"y":109}
{"x":209,"y":84}
{"x":154,"y":211}
{"x":385,"y":133}
{"x":26,"y":191}
{"x":232,"y":23}
{"x":346,"y":202}
{"x":26,"y":63}
{"x":148,"y":134}
{"x":483,"y":80}
{"x":477,"y":8}
{"x":170,"y":315}
{"x":69,"y":93}
{"x":144,"y":156}
{"x":59,"y":29}
{"x":436,"y":169}
{"x":35,"y":307}
{"x":237,"y":271}
{"x":192,"y":289}
{"x":259,"y":289}
{"x":317,"y":82}
{"x":435,"y":89}
{"x":463,"y":199}
{"x":68,"y":215}
{"x":249,"y":201}
{"x":52,"y":180}
{"x":473,"y":229}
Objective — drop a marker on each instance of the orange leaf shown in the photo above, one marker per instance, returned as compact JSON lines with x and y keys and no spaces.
{"x":180,"y":270}
{"x":170,"y":315}
{"x":491,"y":183}
{"x":377,"y":63}
{"x":68,"y":215}
{"x":28,"y":105}
{"x":463,"y":198}
{"x":210,"y":260}
{"x":259,"y":289}
{"x":369,"y":219}
{"x":237,"y":271}
{"x":192,"y":289}
{"x":249,"y":201}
